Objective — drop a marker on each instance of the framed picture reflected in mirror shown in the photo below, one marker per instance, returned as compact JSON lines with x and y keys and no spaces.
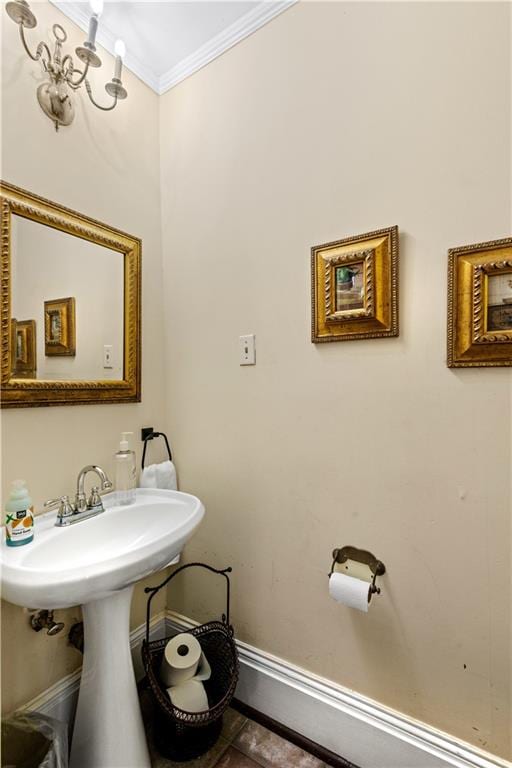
{"x":23,"y":348}
{"x":60,"y":327}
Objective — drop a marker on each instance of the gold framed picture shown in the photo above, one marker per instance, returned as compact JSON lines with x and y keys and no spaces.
{"x":59,"y":327}
{"x":23,"y":350}
{"x":480,"y":305}
{"x":354,"y":287}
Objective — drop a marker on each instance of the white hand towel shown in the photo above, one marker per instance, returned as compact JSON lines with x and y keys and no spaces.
{"x":161,"y":475}
{"x":148,"y":477}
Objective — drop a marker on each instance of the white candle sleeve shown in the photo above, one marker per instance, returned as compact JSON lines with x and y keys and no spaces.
{"x":118,"y":68}
{"x":93,"y":28}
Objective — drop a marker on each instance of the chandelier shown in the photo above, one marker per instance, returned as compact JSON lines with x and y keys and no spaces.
{"x":55,"y":95}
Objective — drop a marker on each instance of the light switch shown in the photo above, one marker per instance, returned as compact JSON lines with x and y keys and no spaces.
{"x":248,"y":349}
{"x":107,"y":356}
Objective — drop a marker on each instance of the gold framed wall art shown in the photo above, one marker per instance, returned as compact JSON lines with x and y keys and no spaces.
{"x":59,"y":327}
{"x":354,"y":291}
{"x":480,"y":305}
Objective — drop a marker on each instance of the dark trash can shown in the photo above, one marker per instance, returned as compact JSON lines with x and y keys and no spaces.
{"x":32,"y":740}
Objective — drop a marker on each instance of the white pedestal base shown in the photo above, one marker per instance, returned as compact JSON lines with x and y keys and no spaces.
{"x":108,"y":732}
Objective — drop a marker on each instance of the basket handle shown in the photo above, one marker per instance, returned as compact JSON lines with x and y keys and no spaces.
{"x":153,"y":590}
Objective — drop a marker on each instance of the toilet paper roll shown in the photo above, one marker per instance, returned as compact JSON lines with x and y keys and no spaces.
{"x":204,"y":671}
{"x":181,"y":659}
{"x":189,"y":696}
{"x":349,"y":591}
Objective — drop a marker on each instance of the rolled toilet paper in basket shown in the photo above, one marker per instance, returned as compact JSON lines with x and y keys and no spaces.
{"x":183,"y":659}
{"x":204,"y":671}
{"x":355,"y":593}
{"x":180,"y":660}
{"x":189,"y":696}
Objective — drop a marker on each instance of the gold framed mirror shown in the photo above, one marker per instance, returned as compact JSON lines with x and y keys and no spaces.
{"x":70,"y":306}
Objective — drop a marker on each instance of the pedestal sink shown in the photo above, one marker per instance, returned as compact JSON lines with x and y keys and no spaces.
{"x":95,"y":563}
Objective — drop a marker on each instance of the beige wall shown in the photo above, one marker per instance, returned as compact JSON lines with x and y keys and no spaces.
{"x":106,"y":166}
{"x":333,"y":120}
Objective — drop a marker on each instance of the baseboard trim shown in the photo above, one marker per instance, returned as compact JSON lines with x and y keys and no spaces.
{"x":361,"y":730}
{"x":335,"y":718}
{"x":324,"y":755}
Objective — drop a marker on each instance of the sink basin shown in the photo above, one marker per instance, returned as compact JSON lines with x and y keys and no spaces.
{"x":95,"y":563}
{"x":92,"y":558}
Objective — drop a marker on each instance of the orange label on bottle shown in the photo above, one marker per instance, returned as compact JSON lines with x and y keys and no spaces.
{"x":19,"y":525}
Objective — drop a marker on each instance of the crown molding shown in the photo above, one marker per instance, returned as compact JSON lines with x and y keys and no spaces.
{"x":240,"y":29}
{"x":216,"y":46}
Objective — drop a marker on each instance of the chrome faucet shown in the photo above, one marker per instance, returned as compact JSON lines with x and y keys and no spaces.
{"x":81,"y":503}
{"x":83,"y":508}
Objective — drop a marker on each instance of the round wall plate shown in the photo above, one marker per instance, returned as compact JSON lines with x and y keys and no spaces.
{"x":56,"y":103}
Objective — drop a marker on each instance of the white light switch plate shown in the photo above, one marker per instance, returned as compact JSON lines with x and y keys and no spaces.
{"x":248,"y":349}
{"x":107,"y":356}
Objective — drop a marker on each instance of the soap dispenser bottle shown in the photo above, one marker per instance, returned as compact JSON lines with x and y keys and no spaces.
{"x":19,"y":519}
{"x":126,"y":471}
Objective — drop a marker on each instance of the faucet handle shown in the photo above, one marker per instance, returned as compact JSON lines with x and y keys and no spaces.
{"x":51,"y":503}
{"x":66,"y":509}
{"x":95,"y":499}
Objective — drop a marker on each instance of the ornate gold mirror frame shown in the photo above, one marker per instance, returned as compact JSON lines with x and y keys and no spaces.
{"x":24,"y":392}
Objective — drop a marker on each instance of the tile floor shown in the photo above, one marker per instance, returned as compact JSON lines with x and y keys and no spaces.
{"x":242,"y":744}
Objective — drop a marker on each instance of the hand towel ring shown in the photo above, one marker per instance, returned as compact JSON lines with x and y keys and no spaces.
{"x":148,"y":434}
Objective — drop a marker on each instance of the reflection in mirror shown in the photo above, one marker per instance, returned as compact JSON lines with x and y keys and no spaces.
{"x":23,"y":349}
{"x":499,"y":302}
{"x":68,"y":300}
{"x":349,"y":287}
{"x":69,"y":306}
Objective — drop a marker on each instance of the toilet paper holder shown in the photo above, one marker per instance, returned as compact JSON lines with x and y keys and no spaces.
{"x":376,"y":566}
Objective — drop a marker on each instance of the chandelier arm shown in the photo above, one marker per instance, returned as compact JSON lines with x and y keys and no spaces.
{"x":83,"y":75}
{"x":40,"y":48}
{"x":89,"y":93}
{"x":71,"y":67}
{"x":73,"y":86}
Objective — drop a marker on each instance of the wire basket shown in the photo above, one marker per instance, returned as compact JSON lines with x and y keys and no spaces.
{"x":182,"y":735}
